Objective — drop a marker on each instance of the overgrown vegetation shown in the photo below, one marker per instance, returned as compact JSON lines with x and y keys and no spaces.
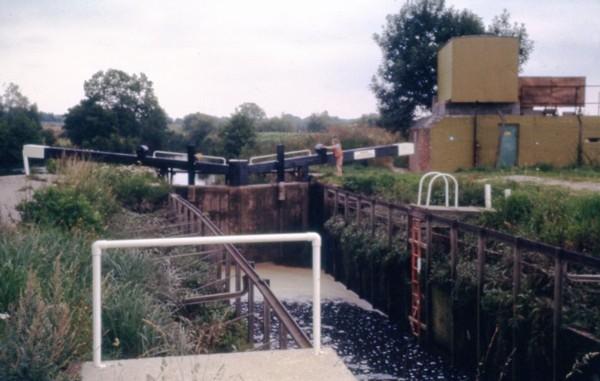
{"x":45,"y":326}
{"x":554,"y":215}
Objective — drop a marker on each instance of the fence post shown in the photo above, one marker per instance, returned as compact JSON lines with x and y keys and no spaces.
{"x":358,"y":206}
{"x":267,"y":321}
{"x":250,"y":310}
{"x":335,"y":203}
{"x":372,"y":219}
{"x":282,"y":336}
{"x":516,"y":291}
{"x":238,"y":287}
{"x":390,"y":227}
{"x":346,"y":207}
{"x":559,"y":272}
{"x":453,"y":265}
{"x":481,"y":243}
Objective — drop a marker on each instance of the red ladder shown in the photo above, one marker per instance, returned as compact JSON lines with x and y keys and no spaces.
{"x":415,"y":268}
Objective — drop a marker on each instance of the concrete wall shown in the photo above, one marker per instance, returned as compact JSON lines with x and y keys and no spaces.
{"x":479,"y":69}
{"x":448,"y":144}
{"x":256,"y":209}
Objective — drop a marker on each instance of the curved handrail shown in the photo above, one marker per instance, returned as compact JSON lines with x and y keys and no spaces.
{"x":445,"y":176}
{"x":428,"y":174}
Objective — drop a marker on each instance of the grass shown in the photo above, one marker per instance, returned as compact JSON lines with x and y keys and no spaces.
{"x":45,"y":278}
{"x":350,"y":137}
{"x":555,"y":215}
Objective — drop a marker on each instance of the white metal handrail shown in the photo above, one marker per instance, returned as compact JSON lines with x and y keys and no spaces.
{"x":253,"y":159}
{"x":99,"y":246}
{"x":183,"y":156}
{"x":437,"y":175}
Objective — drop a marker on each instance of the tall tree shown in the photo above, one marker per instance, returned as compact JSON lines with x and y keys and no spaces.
{"x":238,"y":134}
{"x":406,"y":80}
{"x":197,"y":127}
{"x":501,"y":26}
{"x":119,"y":112}
{"x":252,"y":111}
{"x":19,"y":125}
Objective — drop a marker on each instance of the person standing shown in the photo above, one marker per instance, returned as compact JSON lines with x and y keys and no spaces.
{"x":338,"y":154}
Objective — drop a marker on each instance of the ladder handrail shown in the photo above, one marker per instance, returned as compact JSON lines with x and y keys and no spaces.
{"x":436,"y":175}
{"x":428,"y":174}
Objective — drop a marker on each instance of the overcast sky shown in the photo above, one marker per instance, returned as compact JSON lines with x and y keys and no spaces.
{"x":287,"y":56}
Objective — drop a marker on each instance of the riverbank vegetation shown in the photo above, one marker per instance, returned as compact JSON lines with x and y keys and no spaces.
{"x":552,"y":214}
{"x":45,"y":267}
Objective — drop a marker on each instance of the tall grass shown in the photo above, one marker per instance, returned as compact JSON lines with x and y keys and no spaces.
{"x":45,"y":280}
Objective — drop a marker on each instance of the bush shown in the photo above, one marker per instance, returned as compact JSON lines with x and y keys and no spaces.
{"x":64,"y":207}
{"x":138,"y":191}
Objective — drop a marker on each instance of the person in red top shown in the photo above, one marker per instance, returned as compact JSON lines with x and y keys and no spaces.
{"x":338,"y":154}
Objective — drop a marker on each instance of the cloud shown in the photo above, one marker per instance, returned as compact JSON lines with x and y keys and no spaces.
{"x":210,"y":56}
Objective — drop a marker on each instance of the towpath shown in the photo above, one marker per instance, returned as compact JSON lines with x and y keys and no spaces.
{"x":16,"y":188}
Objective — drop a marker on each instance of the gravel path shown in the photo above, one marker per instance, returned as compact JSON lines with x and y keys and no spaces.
{"x":575,"y":185}
{"x":13,"y":190}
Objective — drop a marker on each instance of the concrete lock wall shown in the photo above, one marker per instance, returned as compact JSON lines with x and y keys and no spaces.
{"x":448,"y":145}
{"x":257,"y":209}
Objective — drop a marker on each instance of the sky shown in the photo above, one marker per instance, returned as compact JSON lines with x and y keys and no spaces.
{"x":288,"y":56}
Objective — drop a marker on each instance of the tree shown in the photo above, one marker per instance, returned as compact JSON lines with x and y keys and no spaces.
{"x":19,"y":125}
{"x":406,"y":80}
{"x":317,"y":122}
{"x":501,"y":26}
{"x":252,"y":111}
{"x":238,"y":134}
{"x":197,"y":127}
{"x":119,"y":112}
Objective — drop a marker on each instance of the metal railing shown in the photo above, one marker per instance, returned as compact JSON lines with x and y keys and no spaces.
{"x":397,"y":219}
{"x":273,"y":156}
{"x":183,"y":156}
{"x":198,"y":223}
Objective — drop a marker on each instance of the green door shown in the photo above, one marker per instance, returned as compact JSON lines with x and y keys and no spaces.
{"x":509,"y":145}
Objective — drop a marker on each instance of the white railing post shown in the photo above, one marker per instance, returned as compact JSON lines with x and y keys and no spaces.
{"x":98,"y":246}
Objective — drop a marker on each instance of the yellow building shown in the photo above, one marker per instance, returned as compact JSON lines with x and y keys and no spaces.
{"x":486,"y":115}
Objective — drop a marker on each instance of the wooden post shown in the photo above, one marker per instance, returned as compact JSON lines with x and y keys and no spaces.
{"x":453,"y":265}
{"x":346,"y":207}
{"x":282,"y":336}
{"x":559,"y":274}
{"x":372,"y":219}
{"x":335,"y":203}
{"x":390,"y":227}
{"x":250,"y":311}
{"x":516,"y":249}
{"x":481,"y":243}
{"x":267,"y":321}
{"x":238,"y":287}
{"x":358,"y":202}
{"x":227,"y":271}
